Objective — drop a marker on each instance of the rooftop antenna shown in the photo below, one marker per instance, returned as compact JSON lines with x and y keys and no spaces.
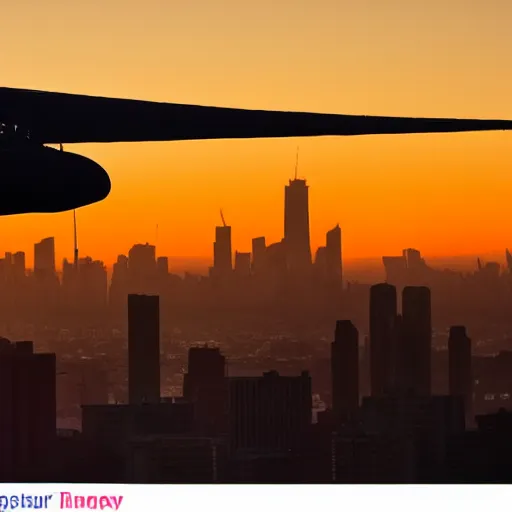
{"x":222,"y":217}
{"x":297,"y":162}
{"x":75,"y":258}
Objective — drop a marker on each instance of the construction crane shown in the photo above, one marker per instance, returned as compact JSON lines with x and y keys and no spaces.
{"x":222,"y":217}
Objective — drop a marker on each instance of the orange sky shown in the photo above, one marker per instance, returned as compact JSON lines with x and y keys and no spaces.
{"x":444,"y":194}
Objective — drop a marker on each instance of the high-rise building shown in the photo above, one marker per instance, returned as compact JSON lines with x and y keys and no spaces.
{"x":417,"y":338}
{"x":296,"y":226}
{"x":222,"y":252}
{"x":142,"y":268}
{"x":396,"y":269}
{"x":321,"y":262}
{"x":205,"y":386}
{"x":383,"y":314}
{"x":162,"y":266}
{"x":44,"y":256}
{"x":345,"y":371}
{"x":417,"y":269}
{"x":18,"y":262}
{"x":92,"y":285}
{"x":29,"y":411}
{"x":243,"y":264}
{"x":259,"y":249}
{"x":459,"y":367}
{"x":333,"y":255}
{"x":269,"y":414}
{"x":413,"y":258}
{"x":143,"y":349}
{"x":275,"y":255}
{"x":118,"y":291}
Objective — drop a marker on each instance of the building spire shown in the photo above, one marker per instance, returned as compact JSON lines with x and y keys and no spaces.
{"x":296,"y":162}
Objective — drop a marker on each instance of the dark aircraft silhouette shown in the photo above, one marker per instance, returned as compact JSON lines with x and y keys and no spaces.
{"x":40,"y":179}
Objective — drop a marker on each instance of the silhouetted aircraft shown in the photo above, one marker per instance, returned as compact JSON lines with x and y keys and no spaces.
{"x":40,"y":179}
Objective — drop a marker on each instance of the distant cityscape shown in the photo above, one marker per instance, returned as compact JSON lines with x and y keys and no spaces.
{"x":271,"y":369}
{"x":282,"y":275}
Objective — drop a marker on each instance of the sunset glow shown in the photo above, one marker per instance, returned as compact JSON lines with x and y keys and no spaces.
{"x":443,"y":194}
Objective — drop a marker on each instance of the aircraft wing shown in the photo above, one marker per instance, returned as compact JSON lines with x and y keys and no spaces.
{"x":54,"y":118}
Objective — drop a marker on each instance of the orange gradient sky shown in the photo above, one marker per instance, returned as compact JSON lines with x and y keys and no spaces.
{"x":443,"y":194}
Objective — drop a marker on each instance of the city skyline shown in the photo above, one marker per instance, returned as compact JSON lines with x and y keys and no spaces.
{"x":351,"y":61}
{"x":201,"y":263}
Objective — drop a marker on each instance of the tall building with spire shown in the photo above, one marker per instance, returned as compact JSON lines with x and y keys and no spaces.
{"x":296,"y":225}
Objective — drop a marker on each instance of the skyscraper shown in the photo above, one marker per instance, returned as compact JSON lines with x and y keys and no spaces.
{"x":142,"y":268}
{"x":29,"y":410}
{"x":222,"y":253}
{"x":259,"y":249}
{"x":205,"y":386}
{"x":417,"y":338}
{"x":459,"y":365}
{"x":345,"y":371}
{"x":18,"y":261}
{"x":143,"y":349}
{"x":118,"y":292}
{"x":396,"y":269}
{"x":162,"y":266}
{"x":243,"y":264}
{"x":383,"y":314}
{"x":321,"y":262}
{"x":296,"y":226}
{"x":44,"y":257}
{"x":333,"y":255}
{"x":92,"y":285}
{"x":271,"y":413}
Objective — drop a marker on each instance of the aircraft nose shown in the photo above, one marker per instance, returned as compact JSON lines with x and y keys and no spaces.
{"x":84,"y":181}
{"x":88,"y":179}
{"x":44,"y":180}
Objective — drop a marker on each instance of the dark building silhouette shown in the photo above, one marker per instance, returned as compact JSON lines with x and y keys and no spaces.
{"x":18,"y":262}
{"x":396,"y":270}
{"x":28,"y":411}
{"x":243,"y":264}
{"x":118,"y":291}
{"x":320,"y":264}
{"x":142,"y":269}
{"x":44,"y":257}
{"x":383,"y":314}
{"x":269,"y":414}
{"x":143,"y":349}
{"x":428,"y":421}
{"x":175,"y":459}
{"x":460,"y":367}
{"x":259,"y":249}
{"x":162,"y":266}
{"x":92,"y":286}
{"x":345,"y":371}
{"x":114,"y":425}
{"x":373,"y":459}
{"x":296,"y":226}
{"x":333,"y":258}
{"x":276,"y":261}
{"x":222,"y":252}
{"x":417,"y":338}
{"x":205,"y":386}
